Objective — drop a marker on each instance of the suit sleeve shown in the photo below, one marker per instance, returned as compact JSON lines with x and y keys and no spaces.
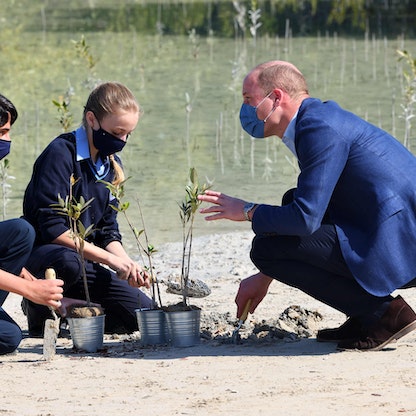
{"x":322,"y":154}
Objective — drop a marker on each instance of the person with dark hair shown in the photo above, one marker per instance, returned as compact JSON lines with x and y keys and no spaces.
{"x":89,"y":154}
{"x":15,"y":247}
{"x":347,"y":234}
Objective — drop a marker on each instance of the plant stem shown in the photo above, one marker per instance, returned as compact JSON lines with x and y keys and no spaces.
{"x":149,"y":257}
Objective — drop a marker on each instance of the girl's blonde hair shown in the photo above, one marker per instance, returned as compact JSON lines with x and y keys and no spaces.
{"x":108,"y":98}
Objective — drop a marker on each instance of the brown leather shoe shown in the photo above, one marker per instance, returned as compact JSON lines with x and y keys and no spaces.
{"x":398,"y":320}
{"x":350,"y":329}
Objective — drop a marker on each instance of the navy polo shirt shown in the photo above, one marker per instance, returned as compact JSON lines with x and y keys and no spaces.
{"x":65,"y":155}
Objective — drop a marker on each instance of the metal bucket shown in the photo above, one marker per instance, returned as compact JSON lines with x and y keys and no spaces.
{"x":184,"y":327}
{"x":87,"y":333}
{"x":152,"y":326}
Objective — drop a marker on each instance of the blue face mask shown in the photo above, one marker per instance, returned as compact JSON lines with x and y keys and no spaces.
{"x":4,"y":148}
{"x":249,"y":120}
{"x":106,"y":143}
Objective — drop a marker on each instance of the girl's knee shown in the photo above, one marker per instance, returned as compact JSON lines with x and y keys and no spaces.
{"x":23,"y":233}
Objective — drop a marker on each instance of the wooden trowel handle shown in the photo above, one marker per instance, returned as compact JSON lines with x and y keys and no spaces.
{"x":50,"y":274}
{"x":243,"y":317}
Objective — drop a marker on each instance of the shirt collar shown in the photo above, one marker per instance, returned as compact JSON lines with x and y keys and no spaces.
{"x":99,"y":168}
{"x":83,"y":149}
{"x":289,"y":135}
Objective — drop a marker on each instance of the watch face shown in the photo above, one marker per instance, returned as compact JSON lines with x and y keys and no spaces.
{"x":247,"y":208}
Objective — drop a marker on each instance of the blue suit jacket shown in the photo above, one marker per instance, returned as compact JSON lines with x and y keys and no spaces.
{"x":366,"y":179}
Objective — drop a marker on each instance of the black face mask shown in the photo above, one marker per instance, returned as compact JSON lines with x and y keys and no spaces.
{"x":4,"y":148}
{"x":106,"y":143}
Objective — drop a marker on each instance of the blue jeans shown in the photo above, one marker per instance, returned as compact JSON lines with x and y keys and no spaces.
{"x":15,"y":247}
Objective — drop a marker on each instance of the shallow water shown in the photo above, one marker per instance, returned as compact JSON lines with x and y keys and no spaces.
{"x":175,"y":133}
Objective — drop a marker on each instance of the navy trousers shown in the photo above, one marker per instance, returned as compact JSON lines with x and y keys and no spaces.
{"x":15,"y":246}
{"x":118,"y":299}
{"x":315,"y":265}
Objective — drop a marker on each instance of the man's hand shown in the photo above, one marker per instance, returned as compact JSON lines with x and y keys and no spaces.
{"x":255,"y":288}
{"x":225,"y":207}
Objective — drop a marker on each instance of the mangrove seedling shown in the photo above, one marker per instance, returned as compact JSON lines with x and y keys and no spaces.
{"x":187,"y":210}
{"x":73,"y":209}
{"x":143,"y":247}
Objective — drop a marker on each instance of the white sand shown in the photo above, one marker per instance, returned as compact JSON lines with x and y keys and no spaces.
{"x":278,"y":377}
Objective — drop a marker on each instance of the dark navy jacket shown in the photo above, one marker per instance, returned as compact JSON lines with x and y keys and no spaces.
{"x":366,"y":180}
{"x":51,"y":176}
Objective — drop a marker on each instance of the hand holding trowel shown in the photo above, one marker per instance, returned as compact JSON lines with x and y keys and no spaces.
{"x":236,"y":336}
{"x":51,"y":331}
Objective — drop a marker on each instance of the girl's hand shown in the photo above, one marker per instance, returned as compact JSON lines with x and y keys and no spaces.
{"x":127,"y":269}
{"x":139,"y":277}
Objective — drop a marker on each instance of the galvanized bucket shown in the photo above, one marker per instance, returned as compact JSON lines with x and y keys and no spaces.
{"x":152,"y":326}
{"x":87,"y":333}
{"x":184,"y":327}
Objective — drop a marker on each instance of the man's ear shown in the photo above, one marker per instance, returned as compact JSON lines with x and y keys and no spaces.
{"x":278,"y":94}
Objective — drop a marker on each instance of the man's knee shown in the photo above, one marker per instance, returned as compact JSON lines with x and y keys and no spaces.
{"x":261,"y":251}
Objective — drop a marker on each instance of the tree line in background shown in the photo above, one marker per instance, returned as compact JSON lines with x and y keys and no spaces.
{"x":226,"y":18}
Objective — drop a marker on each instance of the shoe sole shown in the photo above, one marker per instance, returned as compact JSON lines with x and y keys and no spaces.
{"x":399,"y":334}
{"x":318,"y":339}
{"x":330,"y":340}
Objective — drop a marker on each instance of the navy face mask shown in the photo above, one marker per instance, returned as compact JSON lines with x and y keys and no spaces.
{"x":4,"y":148}
{"x":106,"y":143}
{"x":249,"y":120}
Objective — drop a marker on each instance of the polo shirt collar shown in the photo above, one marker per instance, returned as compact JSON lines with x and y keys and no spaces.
{"x":100,"y":168}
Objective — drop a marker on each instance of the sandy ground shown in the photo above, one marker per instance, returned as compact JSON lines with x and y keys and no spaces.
{"x":260,"y":376}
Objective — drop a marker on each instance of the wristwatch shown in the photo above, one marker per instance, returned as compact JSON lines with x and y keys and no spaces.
{"x":247,"y":208}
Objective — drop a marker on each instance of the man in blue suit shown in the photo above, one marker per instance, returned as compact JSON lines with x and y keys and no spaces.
{"x":347,"y":234}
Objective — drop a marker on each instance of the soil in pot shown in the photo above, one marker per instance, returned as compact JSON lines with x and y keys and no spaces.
{"x":81,"y":311}
{"x":179,"y":307}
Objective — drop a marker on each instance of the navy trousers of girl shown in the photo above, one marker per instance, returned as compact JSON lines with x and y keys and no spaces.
{"x":118,"y":299}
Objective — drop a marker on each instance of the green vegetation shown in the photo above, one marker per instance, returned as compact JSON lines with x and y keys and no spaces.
{"x":179,"y":17}
{"x":409,"y":93}
{"x":5,"y":185}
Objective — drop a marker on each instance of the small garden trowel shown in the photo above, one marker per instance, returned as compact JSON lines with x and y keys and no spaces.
{"x":50,"y":334}
{"x":236,"y":336}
